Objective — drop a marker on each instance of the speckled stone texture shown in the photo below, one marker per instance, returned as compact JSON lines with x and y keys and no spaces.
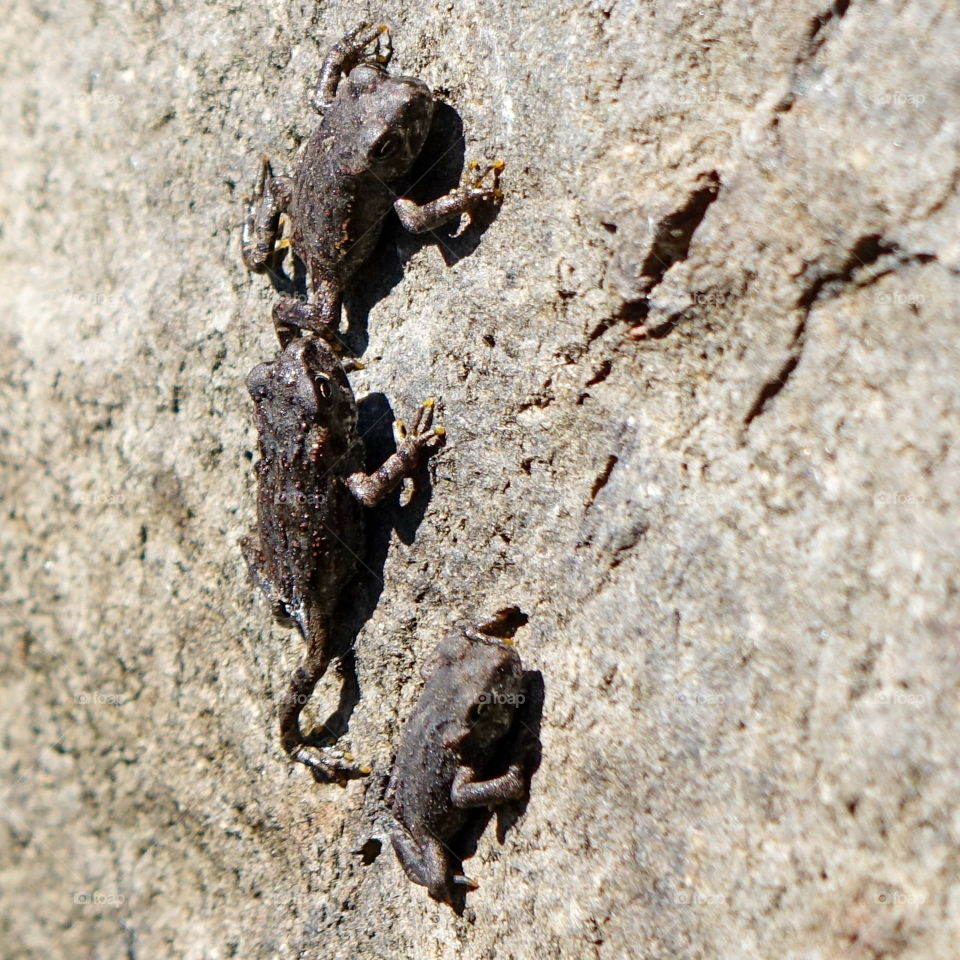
{"x":700,"y":380}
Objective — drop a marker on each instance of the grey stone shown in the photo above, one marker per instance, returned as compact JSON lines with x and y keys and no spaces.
{"x":723,"y":488}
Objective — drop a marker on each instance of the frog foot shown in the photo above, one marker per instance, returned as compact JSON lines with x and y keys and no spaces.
{"x":261,"y":221}
{"x":462,"y":880}
{"x":355,"y":43}
{"x":423,"y":433}
{"x":326,"y":768}
{"x":383,"y":51}
{"x":476,"y":176}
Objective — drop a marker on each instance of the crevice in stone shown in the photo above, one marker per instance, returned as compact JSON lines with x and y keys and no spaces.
{"x":600,"y":374}
{"x":600,"y":329}
{"x":866,"y":252}
{"x":601,"y":481}
{"x":643,"y":332}
{"x":674,"y":233}
{"x":815,"y":35}
{"x":672,"y":238}
{"x":629,"y":538}
{"x":370,"y":851}
{"x":870,"y":249}
{"x":540,"y":399}
{"x":772,"y":387}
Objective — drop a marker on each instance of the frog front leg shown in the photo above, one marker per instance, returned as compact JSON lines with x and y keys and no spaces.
{"x":428,"y":216}
{"x":371,"y":488}
{"x":271,"y":195}
{"x":344,"y":55}
{"x":425,"y":862}
{"x":467,"y":791}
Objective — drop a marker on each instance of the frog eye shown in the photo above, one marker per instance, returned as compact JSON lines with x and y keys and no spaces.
{"x":324,"y":386}
{"x":386,"y":146}
{"x":479,"y":710}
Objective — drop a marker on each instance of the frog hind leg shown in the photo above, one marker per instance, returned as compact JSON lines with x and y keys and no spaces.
{"x":261,"y":222}
{"x":300,"y":748}
{"x":320,"y":315}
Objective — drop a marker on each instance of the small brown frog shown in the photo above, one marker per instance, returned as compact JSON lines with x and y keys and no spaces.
{"x":352,"y":172}
{"x":475,"y":684}
{"x":311,"y":494}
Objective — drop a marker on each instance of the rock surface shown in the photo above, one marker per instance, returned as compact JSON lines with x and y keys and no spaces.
{"x":700,"y":383}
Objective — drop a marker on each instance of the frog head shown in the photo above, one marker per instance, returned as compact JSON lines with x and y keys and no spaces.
{"x":486,"y":675}
{"x":305,"y":386}
{"x":389,"y":117}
